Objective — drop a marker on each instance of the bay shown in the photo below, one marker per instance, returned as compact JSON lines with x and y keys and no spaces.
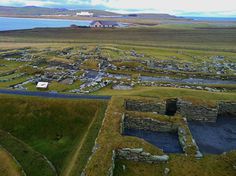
{"x":7,"y":23}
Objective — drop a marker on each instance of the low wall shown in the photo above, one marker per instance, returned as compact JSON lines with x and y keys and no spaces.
{"x":197,"y":112}
{"x":148,"y":124}
{"x":227,"y":108}
{"x":145,"y":106}
{"x":111,"y":169}
{"x":138,"y":155}
{"x":187,"y":142}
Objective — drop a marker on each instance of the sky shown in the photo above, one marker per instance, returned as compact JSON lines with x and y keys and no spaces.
{"x":211,"y":8}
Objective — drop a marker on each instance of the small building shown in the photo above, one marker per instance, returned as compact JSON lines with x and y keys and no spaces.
{"x":85,"y":14}
{"x":104,"y":24}
{"x":42,"y":85}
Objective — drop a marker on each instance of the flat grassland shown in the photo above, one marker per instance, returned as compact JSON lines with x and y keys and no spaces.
{"x":37,"y":131}
{"x":56,"y":128}
{"x":163,"y":92}
{"x":222,"y":39}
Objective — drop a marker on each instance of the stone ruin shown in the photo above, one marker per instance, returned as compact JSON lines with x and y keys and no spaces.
{"x":187,"y":109}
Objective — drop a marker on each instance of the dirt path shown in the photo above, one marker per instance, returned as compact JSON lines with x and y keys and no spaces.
{"x":72,"y":163}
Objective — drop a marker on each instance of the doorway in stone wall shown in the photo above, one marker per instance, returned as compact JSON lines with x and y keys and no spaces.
{"x":171,"y":107}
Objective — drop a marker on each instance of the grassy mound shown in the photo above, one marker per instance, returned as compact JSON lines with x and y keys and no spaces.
{"x":8,"y":165}
{"x":52,"y":127}
{"x":30,"y":160}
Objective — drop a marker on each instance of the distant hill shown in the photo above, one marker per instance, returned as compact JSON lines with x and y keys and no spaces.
{"x":101,"y":13}
{"x":152,"y":15}
{"x":38,"y":11}
{"x":32,"y":10}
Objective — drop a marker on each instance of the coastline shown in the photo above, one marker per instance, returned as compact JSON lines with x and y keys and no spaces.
{"x":131,"y":21}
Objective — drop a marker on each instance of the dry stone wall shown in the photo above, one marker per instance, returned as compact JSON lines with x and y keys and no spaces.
{"x":197,"y":112}
{"x":143,"y":106}
{"x":139,"y":155}
{"x":111,"y":169}
{"x":186,"y":108}
{"x":227,"y":108}
{"x":148,"y":124}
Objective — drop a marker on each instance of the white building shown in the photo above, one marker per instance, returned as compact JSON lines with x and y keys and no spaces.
{"x":42,"y":85}
{"x":88,"y":14}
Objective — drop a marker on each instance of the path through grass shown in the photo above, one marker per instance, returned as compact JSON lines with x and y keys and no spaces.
{"x":84,"y":147}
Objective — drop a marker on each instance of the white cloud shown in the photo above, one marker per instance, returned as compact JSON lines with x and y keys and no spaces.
{"x":170,"y":6}
{"x":175,"y":7}
{"x":29,"y":2}
{"x":40,"y":3}
{"x":77,"y":2}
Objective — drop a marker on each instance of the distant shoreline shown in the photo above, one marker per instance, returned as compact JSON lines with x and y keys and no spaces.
{"x":120,"y":20}
{"x":131,"y":21}
{"x":137,"y":22}
{"x":48,"y":17}
{"x":213,"y":19}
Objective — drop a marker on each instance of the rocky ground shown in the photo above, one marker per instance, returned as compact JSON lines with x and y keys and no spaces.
{"x":86,"y":69}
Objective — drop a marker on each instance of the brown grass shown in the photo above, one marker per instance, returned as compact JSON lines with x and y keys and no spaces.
{"x":8,"y":166}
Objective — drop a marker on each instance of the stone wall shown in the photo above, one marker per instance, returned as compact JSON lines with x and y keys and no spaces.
{"x":187,"y":142}
{"x":122,"y":124}
{"x":197,"y":112}
{"x":148,"y":124}
{"x":145,"y":106}
{"x":111,"y":169}
{"x":138,"y":155}
{"x":182,"y":135}
{"x":227,"y":108}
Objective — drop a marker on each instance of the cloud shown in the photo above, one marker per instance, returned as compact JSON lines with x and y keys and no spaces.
{"x":175,"y":7}
{"x":170,"y":6}
{"x":29,"y":2}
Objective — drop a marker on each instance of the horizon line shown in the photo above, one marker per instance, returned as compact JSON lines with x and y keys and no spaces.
{"x":126,"y":12}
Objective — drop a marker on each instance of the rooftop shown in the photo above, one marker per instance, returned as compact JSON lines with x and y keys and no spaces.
{"x":114,"y":23}
{"x":42,"y":85}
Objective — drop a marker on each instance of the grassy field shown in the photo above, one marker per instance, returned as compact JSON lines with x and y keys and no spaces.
{"x":110,"y":138}
{"x":78,"y":158}
{"x":205,"y":39}
{"x":65,"y":130}
{"x":162,"y":92}
{"x":210,"y":165}
{"x":55,"y":86}
{"x":51,"y":127}
{"x":29,"y":159}
{"x":179,"y":164}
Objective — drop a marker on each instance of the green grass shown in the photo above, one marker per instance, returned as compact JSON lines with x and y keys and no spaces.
{"x":56,"y":127}
{"x":90,"y":64}
{"x":13,"y":82}
{"x":29,"y":159}
{"x":9,"y":66}
{"x":56,"y":86}
{"x":210,"y":39}
{"x":52,"y":127}
{"x":9,"y":76}
{"x":85,"y":150}
{"x":163,"y":92}
{"x":179,"y":164}
{"x":110,"y":138}
{"x":210,"y":165}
